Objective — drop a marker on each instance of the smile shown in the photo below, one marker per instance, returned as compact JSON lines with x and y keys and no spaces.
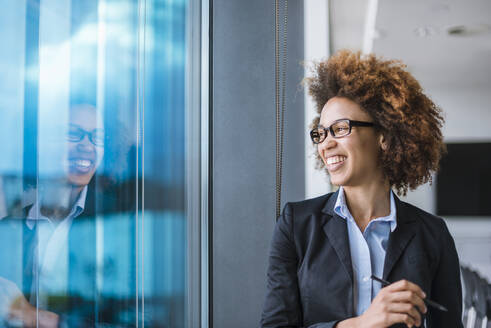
{"x":335,"y":159}
{"x":80,"y":165}
{"x":84,"y":163}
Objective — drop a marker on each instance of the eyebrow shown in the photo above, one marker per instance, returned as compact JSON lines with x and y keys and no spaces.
{"x":339,"y":119}
{"x":81,"y":128}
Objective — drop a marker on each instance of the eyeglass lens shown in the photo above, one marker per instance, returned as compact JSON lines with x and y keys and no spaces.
{"x":77,"y":134}
{"x":338,"y":129}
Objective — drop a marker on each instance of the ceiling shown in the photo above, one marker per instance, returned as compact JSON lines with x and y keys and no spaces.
{"x":446,"y":44}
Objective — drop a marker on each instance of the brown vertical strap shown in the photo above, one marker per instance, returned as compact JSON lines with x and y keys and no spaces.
{"x":280,"y":93}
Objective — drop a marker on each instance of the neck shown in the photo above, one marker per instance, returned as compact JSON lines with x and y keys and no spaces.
{"x":368,"y":202}
{"x":74,"y":193}
{"x":57,"y":202}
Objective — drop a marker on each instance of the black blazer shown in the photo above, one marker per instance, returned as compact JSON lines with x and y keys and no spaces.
{"x":310,"y":276}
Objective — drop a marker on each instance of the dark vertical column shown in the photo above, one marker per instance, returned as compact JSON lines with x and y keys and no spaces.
{"x":83,"y":309}
{"x":31,"y":94}
{"x":243,"y":156}
{"x":30,"y":284}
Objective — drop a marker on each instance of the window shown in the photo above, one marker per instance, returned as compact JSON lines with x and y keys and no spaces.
{"x":94,"y":222}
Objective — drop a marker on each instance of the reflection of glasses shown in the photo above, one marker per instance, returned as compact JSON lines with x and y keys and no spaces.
{"x":76,"y":134}
{"x":340,"y":128}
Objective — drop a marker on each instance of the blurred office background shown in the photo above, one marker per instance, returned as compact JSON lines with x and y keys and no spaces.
{"x":180,"y":210}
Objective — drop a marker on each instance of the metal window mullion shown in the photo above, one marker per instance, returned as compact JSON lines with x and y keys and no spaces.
{"x":140,"y":132}
{"x":196,"y":176}
{"x":206,"y":178}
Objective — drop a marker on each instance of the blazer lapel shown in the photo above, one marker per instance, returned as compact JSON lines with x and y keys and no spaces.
{"x":400,"y":237}
{"x":337,"y":233}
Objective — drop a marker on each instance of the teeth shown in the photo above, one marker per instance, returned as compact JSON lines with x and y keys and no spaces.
{"x":83,"y":163}
{"x":335,"y":159}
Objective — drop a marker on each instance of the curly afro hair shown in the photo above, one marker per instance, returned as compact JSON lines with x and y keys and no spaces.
{"x":410,"y":122}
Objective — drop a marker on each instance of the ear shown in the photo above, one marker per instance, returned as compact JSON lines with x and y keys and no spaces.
{"x":382,"y":142}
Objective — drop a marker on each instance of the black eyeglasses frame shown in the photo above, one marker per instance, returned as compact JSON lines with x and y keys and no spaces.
{"x":351,"y":123}
{"x":90,"y":134}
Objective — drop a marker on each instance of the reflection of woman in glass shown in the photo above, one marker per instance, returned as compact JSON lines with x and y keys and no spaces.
{"x":376,"y":131}
{"x":85,"y":146}
{"x":84,"y":152}
{"x":45,"y":228}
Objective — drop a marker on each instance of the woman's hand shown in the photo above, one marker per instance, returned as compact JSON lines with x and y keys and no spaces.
{"x":400,"y":302}
{"x":21,"y":311}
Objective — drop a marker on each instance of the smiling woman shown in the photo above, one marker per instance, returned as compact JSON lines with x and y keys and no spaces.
{"x":411,"y":123}
{"x":375,"y":131}
{"x":86,"y":144}
{"x":356,"y":157}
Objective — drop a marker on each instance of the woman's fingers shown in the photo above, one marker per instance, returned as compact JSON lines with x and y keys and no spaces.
{"x":393,"y":318}
{"x":403,"y":285}
{"x":406,"y":308}
{"x":407,"y":297}
{"x":400,"y":302}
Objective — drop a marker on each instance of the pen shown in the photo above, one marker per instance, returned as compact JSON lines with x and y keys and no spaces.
{"x":427,"y":301}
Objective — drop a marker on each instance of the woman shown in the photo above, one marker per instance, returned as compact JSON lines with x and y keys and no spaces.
{"x":376,"y":132}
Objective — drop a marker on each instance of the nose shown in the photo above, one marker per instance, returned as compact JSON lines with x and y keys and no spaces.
{"x":85,"y":145}
{"x":328,"y":143}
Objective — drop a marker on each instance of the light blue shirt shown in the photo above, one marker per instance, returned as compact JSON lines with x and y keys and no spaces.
{"x":367,"y":250}
{"x":51,"y":265}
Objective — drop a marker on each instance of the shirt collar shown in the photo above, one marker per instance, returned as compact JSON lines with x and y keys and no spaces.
{"x":80,"y":203}
{"x":341,"y":209}
{"x":340,"y":206}
{"x":35,"y":215}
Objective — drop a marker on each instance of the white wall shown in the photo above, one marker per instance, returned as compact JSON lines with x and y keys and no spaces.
{"x":316,"y":47}
{"x":468,"y":119}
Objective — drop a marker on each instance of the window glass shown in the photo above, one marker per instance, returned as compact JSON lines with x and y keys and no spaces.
{"x":93,"y":227}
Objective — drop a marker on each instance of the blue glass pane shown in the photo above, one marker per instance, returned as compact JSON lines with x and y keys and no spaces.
{"x":92,"y":173}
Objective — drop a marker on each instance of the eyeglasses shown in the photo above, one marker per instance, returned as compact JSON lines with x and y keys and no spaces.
{"x":76,"y":134}
{"x":340,"y":128}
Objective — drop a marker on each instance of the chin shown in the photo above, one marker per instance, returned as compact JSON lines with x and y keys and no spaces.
{"x":338,"y":180}
{"x":79,"y":181}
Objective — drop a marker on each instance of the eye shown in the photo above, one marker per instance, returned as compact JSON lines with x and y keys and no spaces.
{"x":340,"y":129}
{"x":315,"y":135}
{"x":98,"y":137}
{"x":74,"y":134}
